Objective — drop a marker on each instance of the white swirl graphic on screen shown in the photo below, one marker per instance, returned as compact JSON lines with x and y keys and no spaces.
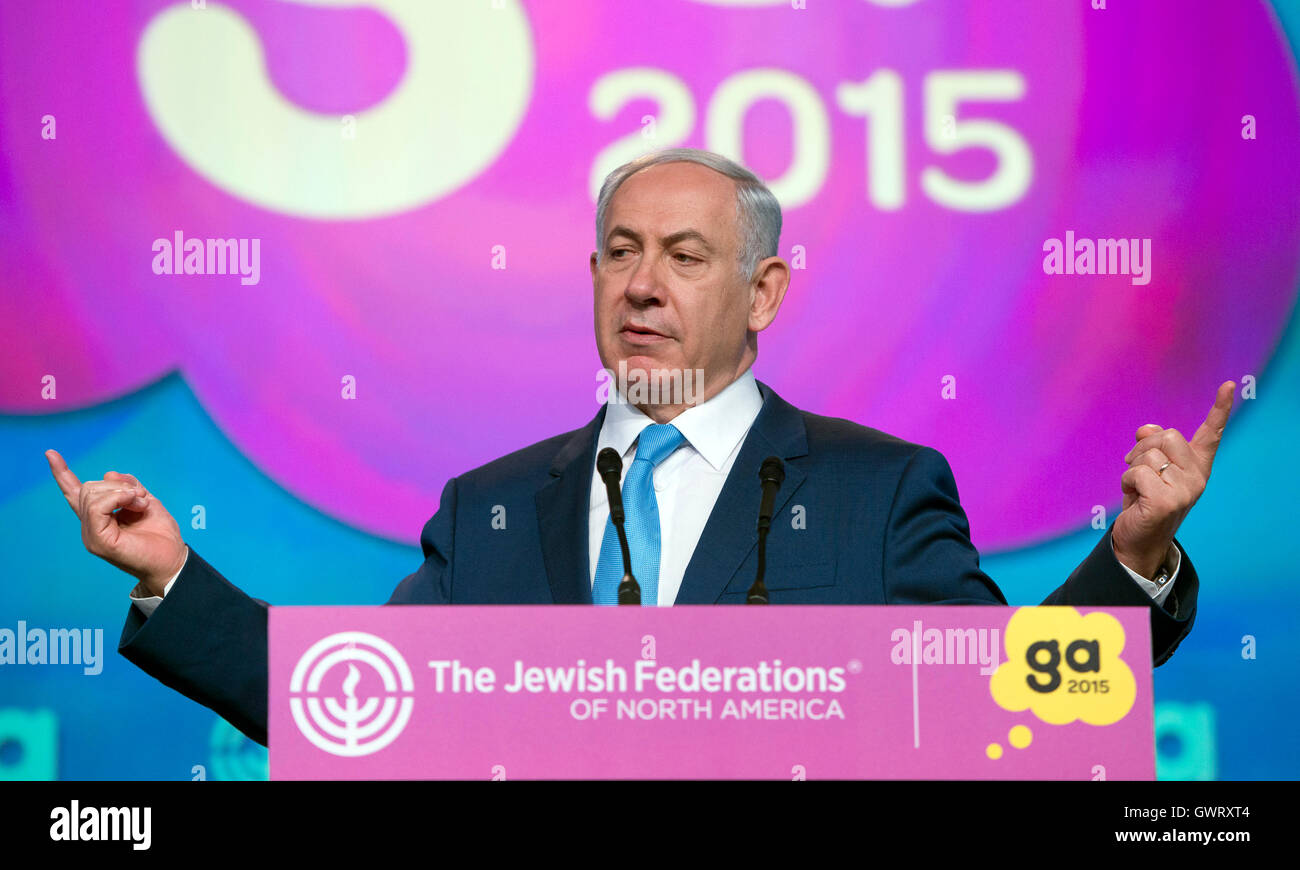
{"x":204,"y":78}
{"x":344,"y":722}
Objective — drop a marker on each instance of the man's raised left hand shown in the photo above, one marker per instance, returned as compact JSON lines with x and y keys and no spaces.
{"x":1166,"y":475}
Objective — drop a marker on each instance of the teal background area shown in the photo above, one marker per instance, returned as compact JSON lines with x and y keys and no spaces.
{"x":1219,"y":714}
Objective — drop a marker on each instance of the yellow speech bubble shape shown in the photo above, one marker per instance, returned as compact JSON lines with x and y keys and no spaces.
{"x":1064,"y":666}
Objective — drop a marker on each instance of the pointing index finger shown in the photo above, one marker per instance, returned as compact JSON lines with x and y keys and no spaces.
{"x":1207,"y":437}
{"x":68,"y":482}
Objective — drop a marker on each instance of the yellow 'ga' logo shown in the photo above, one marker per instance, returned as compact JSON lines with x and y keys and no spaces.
{"x":1065,"y":666}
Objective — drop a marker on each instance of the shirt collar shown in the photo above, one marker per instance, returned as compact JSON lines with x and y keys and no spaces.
{"x":713,"y":428}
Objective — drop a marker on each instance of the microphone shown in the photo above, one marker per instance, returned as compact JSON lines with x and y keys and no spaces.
{"x":771,"y":475}
{"x":609,"y":465}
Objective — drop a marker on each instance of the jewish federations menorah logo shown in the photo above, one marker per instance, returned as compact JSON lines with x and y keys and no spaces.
{"x":336,"y":719}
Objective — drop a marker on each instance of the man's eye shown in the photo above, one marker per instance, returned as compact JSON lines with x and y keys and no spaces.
{"x":686,"y":259}
{"x":614,"y":254}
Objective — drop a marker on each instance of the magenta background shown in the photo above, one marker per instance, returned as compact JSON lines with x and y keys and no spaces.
{"x":462,"y":736}
{"x":458,"y":364}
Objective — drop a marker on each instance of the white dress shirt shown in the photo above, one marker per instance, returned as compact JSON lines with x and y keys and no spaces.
{"x":687,"y":484}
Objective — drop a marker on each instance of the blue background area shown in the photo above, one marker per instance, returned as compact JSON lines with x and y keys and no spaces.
{"x":1219,"y":715}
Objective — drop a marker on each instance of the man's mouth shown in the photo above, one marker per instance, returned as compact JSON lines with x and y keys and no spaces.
{"x":637,"y":334}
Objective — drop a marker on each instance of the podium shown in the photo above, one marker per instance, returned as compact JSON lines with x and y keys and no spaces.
{"x":708,"y":692}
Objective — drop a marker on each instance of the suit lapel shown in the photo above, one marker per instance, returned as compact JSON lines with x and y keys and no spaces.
{"x":731,"y":532}
{"x":563,"y":508}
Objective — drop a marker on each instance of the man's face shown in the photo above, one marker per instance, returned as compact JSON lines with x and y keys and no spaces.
{"x":668,"y":289}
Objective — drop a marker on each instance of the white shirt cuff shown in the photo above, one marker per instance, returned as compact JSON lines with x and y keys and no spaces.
{"x":1157,"y":593}
{"x":149,"y":603}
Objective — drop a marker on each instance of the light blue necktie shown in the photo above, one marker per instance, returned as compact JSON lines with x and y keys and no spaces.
{"x":640,"y":521}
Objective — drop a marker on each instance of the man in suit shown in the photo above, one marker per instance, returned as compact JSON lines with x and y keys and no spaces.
{"x":685,"y":276}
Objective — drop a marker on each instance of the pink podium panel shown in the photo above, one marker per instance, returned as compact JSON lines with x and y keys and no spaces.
{"x":710,"y":693}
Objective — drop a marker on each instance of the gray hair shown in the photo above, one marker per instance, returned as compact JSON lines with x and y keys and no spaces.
{"x":758,"y":214}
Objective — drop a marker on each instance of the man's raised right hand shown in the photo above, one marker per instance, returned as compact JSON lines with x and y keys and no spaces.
{"x":123,"y":524}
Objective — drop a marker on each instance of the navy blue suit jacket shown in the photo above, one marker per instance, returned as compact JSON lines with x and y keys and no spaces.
{"x":882,"y":525}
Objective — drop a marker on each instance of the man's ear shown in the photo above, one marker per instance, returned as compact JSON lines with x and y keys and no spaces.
{"x":772,"y":279}
{"x":594,"y":258}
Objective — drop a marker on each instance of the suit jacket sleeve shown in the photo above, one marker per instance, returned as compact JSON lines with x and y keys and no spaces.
{"x":929,"y":559}
{"x":207,"y":640}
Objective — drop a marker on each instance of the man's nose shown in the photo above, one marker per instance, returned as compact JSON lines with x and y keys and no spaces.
{"x":645,"y":286}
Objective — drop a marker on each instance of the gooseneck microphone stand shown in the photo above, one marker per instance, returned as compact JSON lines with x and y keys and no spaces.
{"x":609,"y":465}
{"x":771,"y":475}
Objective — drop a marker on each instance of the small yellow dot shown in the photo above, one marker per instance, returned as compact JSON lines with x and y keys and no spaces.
{"x":1020,"y":736}
{"x":994,"y":751}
